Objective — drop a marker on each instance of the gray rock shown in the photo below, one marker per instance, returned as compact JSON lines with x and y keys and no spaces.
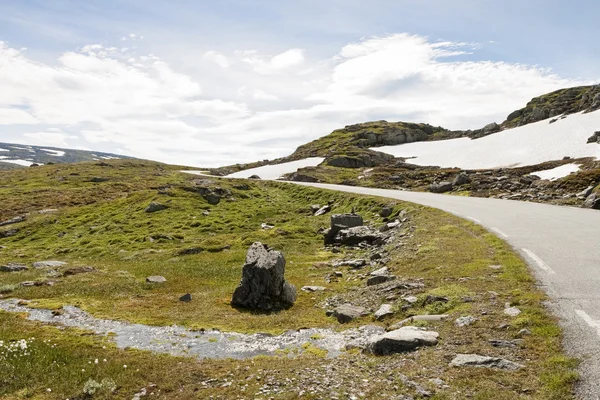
{"x":347,"y":312}
{"x":359,"y":263}
{"x":461,"y":179}
{"x":346,"y":220}
{"x":264,"y":225}
{"x":512,"y":311}
{"x":475,"y":360}
{"x":385,"y":310}
{"x":254,"y":177}
{"x":417,"y":318}
{"x":323,"y":210}
{"x":411,"y":299}
{"x":98,"y":179}
{"x":595,"y":138}
{"x":465,"y":321}
{"x":505,"y":343}
{"x":13,"y":267}
{"x":400,"y":340}
{"x":156,"y":279}
{"x":514,"y":115}
{"x":49,"y":264}
{"x":491,"y":128}
{"x":586,"y":192}
{"x":441,"y":187}
{"x":314,"y":208}
{"x":78,"y":270}
{"x":263,"y":285}
{"x":14,"y":220}
{"x":379,"y":279}
{"x":523,"y":332}
{"x":385,"y":271}
{"x":386,"y":211}
{"x":593,"y":202}
{"x":186,"y":298}
{"x":312,"y":289}
{"x":154,"y":207}
{"x":356,"y":235}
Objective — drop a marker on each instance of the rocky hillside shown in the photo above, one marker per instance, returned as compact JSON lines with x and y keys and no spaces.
{"x":13,"y":156}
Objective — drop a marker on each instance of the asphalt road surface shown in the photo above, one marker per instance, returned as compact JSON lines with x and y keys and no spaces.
{"x":562,"y":246}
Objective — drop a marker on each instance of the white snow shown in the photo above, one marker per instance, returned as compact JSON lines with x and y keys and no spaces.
{"x":4,"y":149}
{"x":56,"y":153}
{"x":526,"y":145}
{"x":21,"y":148}
{"x":558,"y":172}
{"x":19,"y":162}
{"x":269,"y":172}
{"x":109,"y":158}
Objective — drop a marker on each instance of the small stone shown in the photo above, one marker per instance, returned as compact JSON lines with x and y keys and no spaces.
{"x":523,"y":332}
{"x":411,"y":299}
{"x":323,"y":210}
{"x":186,"y":298}
{"x":379,"y":279}
{"x":350,"y":263}
{"x":312,"y":289}
{"x":49,"y":264}
{"x":264,"y":225}
{"x":384,"y":311}
{"x":475,"y":360}
{"x":154,"y":207}
{"x":505,"y":343}
{"x":13,"y":267}
{"x":496,"y":267}
{"x":386,"y":211}
{"x":512,"y":311}
{"x":156,"y":279}
{"x":347,"y":312}
{"x":465,"y":321}
{"x":418,"y":318}
{"x":404,"y":339}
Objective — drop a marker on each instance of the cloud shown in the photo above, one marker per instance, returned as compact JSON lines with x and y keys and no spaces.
{"x":218,"y":58}
{"x":272,"y":65}
{"x":228,"y":113}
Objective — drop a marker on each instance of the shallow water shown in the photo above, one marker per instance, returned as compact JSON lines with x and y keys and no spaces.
{"x":179,"y":341}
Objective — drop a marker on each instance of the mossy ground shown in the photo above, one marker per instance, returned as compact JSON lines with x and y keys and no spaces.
{"x":104,"y":225}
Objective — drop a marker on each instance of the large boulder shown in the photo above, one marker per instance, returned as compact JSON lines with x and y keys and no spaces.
{"x":441,"y":187}
{"x":340,"y":222}
{"x":348,"y":312}
{"x":358,"y":234}
{"x":263,"y":286}
{"x":475,"y":360}
{"x":406,"y":338}
{"x":593,"y":202}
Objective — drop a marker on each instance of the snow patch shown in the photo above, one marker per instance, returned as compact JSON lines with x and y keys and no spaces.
{"x":24,"y":163}
{"x":56,"y":153}
{"x":4,"y":149}
{"x":526,"y":145}
{"x":558,"y":172}
{"x":269,"y":172}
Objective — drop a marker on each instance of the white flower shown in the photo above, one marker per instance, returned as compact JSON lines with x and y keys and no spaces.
{"x":96,"y":361}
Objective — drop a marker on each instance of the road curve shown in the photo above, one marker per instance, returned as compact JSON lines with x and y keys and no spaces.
{"x":562,"y":246}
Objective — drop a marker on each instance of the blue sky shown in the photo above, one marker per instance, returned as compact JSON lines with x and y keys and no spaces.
{"x":215,"y":82}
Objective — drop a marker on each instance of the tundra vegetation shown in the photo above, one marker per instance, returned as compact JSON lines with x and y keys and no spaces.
{"x":97,"y":215}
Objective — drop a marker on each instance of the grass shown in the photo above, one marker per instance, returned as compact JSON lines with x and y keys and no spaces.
{"x":104,"y":225}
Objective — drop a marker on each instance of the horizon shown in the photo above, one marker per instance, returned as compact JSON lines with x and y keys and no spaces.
{"x":216,"y":84}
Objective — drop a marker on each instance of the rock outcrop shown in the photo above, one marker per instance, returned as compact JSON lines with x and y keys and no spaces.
{"x":263,"y":286}
{"x":404,"y":339}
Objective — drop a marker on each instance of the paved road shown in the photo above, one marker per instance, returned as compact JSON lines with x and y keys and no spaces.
{"x":562,"y":246}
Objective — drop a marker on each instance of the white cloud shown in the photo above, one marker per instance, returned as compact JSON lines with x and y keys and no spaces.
{"x":276,"y":64}
{"x":218,"y":58}
{"x":262,"y":95}
{"x":150,"y":109}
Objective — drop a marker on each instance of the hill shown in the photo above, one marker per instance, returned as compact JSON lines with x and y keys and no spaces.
{"x":554,"y":137}
{"x":14,"y":156}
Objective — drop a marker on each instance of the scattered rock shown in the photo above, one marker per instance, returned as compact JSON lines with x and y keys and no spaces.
{"x":411,"y":299}
{"x":263,"y":285}
{"x":264,"y":225}
{"x":511,"y":311}
{"x":465,"y":321}
{"x":379,"y":279}
{"x":436,"y":299}
{"x":49,"y":264}
{"x":154,"y":207}
{"x":385,"y":310}
{"x":340,"y":222}
{"x":78,"y":270}
{"x":350,"y":263}
{"x":314,"y":208}
{"x":400,"y":340}
{"x":475,"y":360}
{"x":523,"y":332}
{"x":323,"y":210}
{"x":8,"y":233}
{"x":461,"y":179}
{"x":156,"y":279}
{"x":386,"y":211}
{"x":98,"y":179}
{"x":348,"y":312}
{"x":359,"y":234}
{"x":254,"y":177}
{"x":417,"y":318}
{"x":186,"y":298}
{"x":496,"y":267}
{"x":505,"y":343}
{"x":441,"y":187}
{"x":14,"y":220}
{"x":312,"y":289}
{"x":595,"y":138}
{"x":11,"y":267}
{"x":593,"y":202}
{"x":586,"y":192}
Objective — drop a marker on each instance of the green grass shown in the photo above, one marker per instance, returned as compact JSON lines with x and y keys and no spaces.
{"x":104,"y":225}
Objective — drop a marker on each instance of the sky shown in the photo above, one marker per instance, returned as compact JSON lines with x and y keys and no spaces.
{"x":212,"y":83}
